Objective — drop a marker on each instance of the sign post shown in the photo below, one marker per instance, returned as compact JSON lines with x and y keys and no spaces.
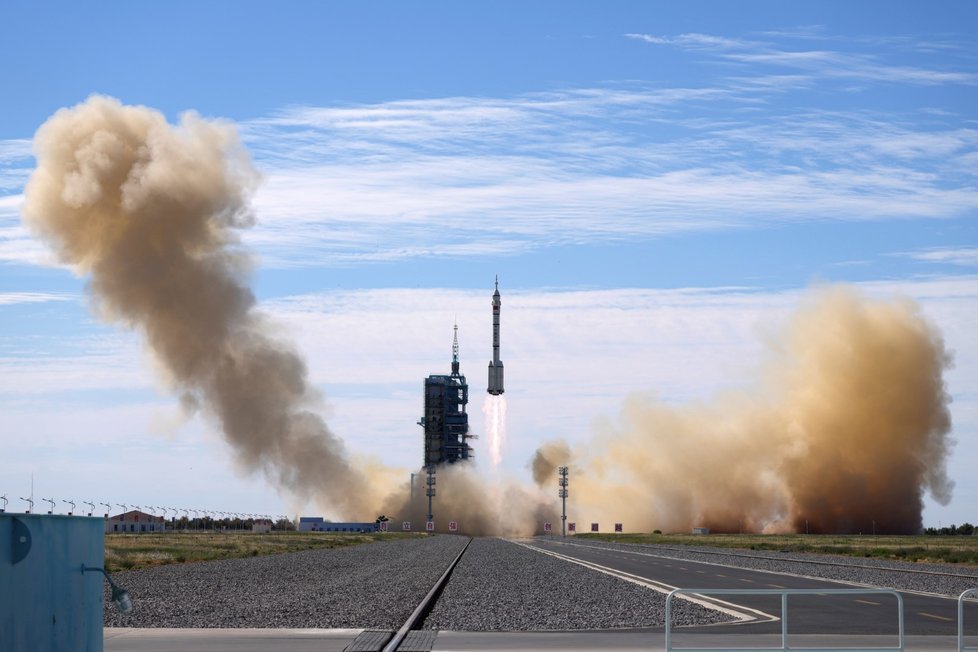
{"x":406,"y":526}
{"x":547,"y":528}
{"x":453,"y":526}
{"x":594,"y":527}
{"x":572,"y":527}
{"x":429,"y":526}
{"x":617,"y":527}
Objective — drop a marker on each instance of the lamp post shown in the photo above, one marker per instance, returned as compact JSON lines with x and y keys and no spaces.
{"x":4,"y":499}
{"x":91,"y":506}
{"x":51,"y":502}
{"x":69,"y":502}
{"x":430,"y":491}
{"x":562,"y":493}
{"x":29,"y":501}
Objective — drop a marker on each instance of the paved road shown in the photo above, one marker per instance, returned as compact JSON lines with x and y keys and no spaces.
{"x":867,"y":614}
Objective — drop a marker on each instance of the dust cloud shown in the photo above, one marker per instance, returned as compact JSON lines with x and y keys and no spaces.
{"x":845,"y":433}
{"x":149,"y":212}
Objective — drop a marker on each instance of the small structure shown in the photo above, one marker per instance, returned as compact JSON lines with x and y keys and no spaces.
{"x":701,"y":530}
{"x":47,"y":602}
{"x":319,"y":524}
{"x":135,"y":522}
{"x":261,"y":525}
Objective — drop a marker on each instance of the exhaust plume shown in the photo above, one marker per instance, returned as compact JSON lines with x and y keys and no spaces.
{"x":149,"y":212}
{"x":848,"y":430}
{"x":500,"y":507}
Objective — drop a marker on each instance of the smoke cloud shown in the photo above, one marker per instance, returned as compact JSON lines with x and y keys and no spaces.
{"x":150,"y":212}
{"x":846,"y":432}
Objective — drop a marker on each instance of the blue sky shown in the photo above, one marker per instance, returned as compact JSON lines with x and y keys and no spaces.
{"x":603,"y":158}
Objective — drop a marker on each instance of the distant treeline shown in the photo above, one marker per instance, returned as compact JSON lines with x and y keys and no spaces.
{"x":965,"y":528}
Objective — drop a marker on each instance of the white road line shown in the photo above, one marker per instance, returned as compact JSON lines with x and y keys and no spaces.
{"x":770,"y":572}
{"x":741,"y":613}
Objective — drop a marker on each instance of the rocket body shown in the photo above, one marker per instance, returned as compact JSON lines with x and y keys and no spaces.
{"x":495,"y":365}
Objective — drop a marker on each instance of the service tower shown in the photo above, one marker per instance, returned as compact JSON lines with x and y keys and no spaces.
{"x":496,"y":365}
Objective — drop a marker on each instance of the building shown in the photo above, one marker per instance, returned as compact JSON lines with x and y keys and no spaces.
{"x":319,"y":524}
{"x":135,"y":521}
{"x":261,"y":525}
{"x":445,"y":421}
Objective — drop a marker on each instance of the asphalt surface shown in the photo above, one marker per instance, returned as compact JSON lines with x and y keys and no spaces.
{"x":924,"y":615}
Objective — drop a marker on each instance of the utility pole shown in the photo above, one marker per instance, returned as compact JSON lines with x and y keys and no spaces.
{"x":562,"y":492}
{"x":412,"y":487}
{"x":430,"y":491}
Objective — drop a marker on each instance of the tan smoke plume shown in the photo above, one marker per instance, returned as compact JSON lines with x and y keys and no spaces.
{"x":479,"y":506}
{"x":846,"y":433}
{"x":149,"y":212}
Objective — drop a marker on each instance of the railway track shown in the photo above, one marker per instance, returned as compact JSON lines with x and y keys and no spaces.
{"x":409,"y":637}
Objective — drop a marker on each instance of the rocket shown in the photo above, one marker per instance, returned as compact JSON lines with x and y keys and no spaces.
{"x":496,"y":365}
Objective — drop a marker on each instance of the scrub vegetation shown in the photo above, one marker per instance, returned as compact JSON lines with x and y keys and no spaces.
{"x":955,"y":549}
{"x":133,"y":551}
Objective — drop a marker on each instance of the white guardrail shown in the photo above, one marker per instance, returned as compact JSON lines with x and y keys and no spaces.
{"x":961,"y":599}
{"x":784,"y":593}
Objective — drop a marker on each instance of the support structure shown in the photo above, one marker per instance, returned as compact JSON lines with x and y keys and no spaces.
{"x":562,"y":492}
{"x":445,"y":420}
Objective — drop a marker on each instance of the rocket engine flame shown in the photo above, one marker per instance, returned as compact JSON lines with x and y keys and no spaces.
{"x":494,"y":409}
{"x":149,"y":212}
{"x":846,"y":432}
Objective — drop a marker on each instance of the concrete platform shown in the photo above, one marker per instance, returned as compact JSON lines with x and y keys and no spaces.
{"x":337,"y":640}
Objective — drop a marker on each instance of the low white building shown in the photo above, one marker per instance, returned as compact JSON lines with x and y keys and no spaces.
{"x":135,"y":522}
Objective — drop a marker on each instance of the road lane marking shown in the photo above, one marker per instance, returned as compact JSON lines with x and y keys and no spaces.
{"x":701,"y":572}
{"x":745,"y":580}
{"x":720,"y":575}
{"x":658,"y":555}
{"x":776,"y":586}
{"x":875,"y":604}
{"x":741,"y":613}
{"x":934,"y":616}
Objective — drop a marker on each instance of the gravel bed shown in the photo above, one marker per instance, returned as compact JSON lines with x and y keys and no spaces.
{"x":502,"y":586}
{"x":374,"y":585}
{"x":881,"y":573}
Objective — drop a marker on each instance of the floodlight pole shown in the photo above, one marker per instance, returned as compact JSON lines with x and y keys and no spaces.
{"x":430,"y":491}
{"x":562,"y":492}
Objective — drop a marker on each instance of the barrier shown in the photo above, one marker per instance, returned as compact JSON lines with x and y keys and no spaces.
{"x":784,"y":593}
{"x":961,"y":599}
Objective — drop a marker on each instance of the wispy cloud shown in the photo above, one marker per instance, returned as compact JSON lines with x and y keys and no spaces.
{"x":964,"y":256}
{"x":844,"y":60}
{"x":11,"y":298}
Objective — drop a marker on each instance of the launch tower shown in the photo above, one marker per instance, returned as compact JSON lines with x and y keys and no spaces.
{"x":445,"y":421}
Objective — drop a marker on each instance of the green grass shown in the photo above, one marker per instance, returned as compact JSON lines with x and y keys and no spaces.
{"x":133,"y":551}
{"x":922,"y":548}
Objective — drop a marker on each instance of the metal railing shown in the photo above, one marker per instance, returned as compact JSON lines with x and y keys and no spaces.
{"x":961,"y":599}
{"x":784,"y":593}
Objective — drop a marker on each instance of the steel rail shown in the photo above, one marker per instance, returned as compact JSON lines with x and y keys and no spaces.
{"x":422,"y":609}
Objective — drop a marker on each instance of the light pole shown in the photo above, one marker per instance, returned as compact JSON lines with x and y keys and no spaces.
{"x":108,"y":508}
{"x":4,"y":499}
{"x":29,"y":501}
{"x":91,"y":506}
{"x":430,"y":491}
{"x":50,"y":502}
{"x":69,"y":502}
{"x":562,"y":492}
